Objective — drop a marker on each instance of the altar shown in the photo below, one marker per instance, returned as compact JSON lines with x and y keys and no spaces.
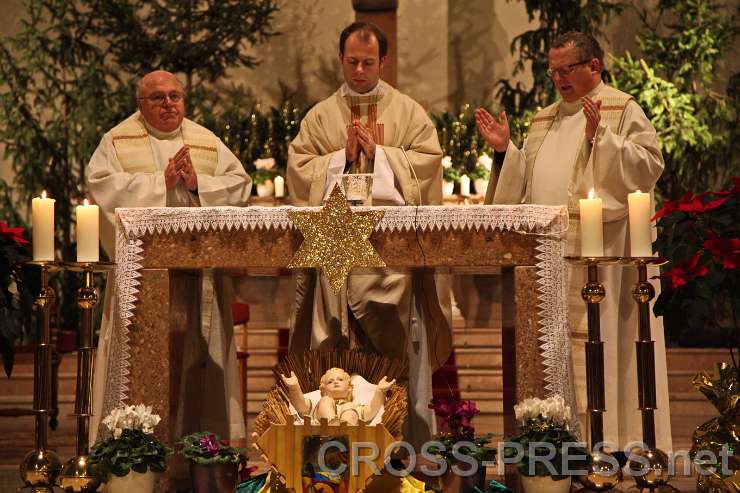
{"x":157,"y":247}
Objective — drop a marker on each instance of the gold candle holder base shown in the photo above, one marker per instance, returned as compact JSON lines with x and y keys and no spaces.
{"x":78,"y":476}
{"x":603,"y":473}
{"x":39,"y":470}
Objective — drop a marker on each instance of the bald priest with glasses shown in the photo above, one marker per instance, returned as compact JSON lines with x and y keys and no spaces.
{"x":594,"y":136}
{"x":159,"y":158}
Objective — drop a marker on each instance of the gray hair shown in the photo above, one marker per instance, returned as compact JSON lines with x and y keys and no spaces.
{"x":586,"y":45}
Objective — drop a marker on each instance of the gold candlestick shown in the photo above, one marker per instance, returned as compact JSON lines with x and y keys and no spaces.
{"x":654,"y":475}
{"x":602,"y":474}
{"x":40,"y":467}
{"x":77,"y":474}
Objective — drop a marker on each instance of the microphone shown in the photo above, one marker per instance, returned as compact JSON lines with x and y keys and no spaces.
{"x":413,"y":172}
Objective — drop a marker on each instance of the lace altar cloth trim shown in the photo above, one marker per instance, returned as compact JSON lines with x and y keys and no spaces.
{"x":548,"y":222}
{"x":529,"y":218}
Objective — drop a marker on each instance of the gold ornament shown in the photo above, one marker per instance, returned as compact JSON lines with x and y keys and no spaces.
{"x":336,"y":239}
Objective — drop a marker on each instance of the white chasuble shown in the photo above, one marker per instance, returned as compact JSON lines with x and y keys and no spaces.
{"x":625,"y":157}
{"x":393,"y":312}
{"x":127,"y":170}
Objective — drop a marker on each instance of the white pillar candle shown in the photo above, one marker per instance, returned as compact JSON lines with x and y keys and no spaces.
{"x":464,"y":185}
{"x":88,"y":232}
{"x":42,"y":212}
{"x":279,"y":186}
{"x":641,"y":239}
{"x":592,"y":226}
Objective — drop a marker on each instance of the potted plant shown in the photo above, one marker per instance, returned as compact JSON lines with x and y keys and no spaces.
{"x":544,"y":424}
{"x":700,"y":235}
{"x":457,"y":437}
{"x":213,"y":462}
{"x":481,"y":173}
{"x":263,"y":175}
{"x":130,"y":458}
{"x":450,"y":175}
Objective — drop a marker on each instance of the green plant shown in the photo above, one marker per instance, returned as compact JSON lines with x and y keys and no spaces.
{"x":208,"y":448}
{"x":680,"y":86}
{"x":449,"y":172}
{"x":260,"y":176}
{"x":132,"y":446}
{"x":700,"y":235}
{"x":459,"y":140}
{"x":457,"y":434}
{"x":544,"y":425}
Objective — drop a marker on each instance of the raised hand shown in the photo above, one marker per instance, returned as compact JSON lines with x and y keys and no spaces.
{"x":384,"y":384}
{"x":495,"y":133}
{"x":591,"y":109}
{"x":290,"y":381}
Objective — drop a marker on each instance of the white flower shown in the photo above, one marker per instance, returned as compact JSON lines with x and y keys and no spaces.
{"x":485,"y":161}
{"x":266,"y":163}
{"x":447,"y":162}
{"x":552,"y":409}
{"x":138,"y":417}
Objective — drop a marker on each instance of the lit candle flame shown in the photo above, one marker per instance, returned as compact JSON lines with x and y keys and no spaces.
{"x":85,"y":202}
{"x":591,"y":194}
{"x":638,"y":191}
{"x":43,"y":194}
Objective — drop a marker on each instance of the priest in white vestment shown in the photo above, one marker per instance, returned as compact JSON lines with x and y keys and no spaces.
{"x":158,"y":158}
{"x":394,"y":313}
{"x":594,"y":137}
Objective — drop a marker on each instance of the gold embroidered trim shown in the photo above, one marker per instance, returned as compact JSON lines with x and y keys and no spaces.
{"x":204,"y":148}
{"x":122,"y":137}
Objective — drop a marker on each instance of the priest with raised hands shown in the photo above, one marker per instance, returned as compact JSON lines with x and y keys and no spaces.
{"x":159,"y":158}
{"x":367,"y":125}
{"x":594,"y":137}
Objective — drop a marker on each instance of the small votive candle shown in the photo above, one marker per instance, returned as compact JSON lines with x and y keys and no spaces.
{"x":279,"y":186}
{"x":464,"y":185}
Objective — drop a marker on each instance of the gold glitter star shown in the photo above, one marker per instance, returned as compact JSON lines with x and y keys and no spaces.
{"x":336,"y":239}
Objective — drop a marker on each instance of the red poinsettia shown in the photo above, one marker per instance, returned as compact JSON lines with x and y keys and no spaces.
{"x":685,"y":271}
{"x":725,"y":250}
{"x":13,"y":234}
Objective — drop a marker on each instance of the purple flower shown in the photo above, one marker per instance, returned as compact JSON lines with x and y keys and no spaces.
{"x":209,"y":445}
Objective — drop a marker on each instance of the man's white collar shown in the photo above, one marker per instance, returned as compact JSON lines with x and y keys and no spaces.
{"x":381,"y":89}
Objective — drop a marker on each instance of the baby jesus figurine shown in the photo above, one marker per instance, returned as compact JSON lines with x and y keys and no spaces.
{"x":336,"y":403}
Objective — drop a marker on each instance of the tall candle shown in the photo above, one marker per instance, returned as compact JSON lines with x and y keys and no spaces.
{"x":592,"y":226}
{"x":279,"y":186}
{"x":88,"y":233}
{"x":641,"y":240}
{"x":42,"y":212}
{"x":464,"y":185}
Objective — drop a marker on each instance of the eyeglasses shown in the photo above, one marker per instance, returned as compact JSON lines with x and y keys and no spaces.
{"x":565,"y":71}
{"x":158,"y":98}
